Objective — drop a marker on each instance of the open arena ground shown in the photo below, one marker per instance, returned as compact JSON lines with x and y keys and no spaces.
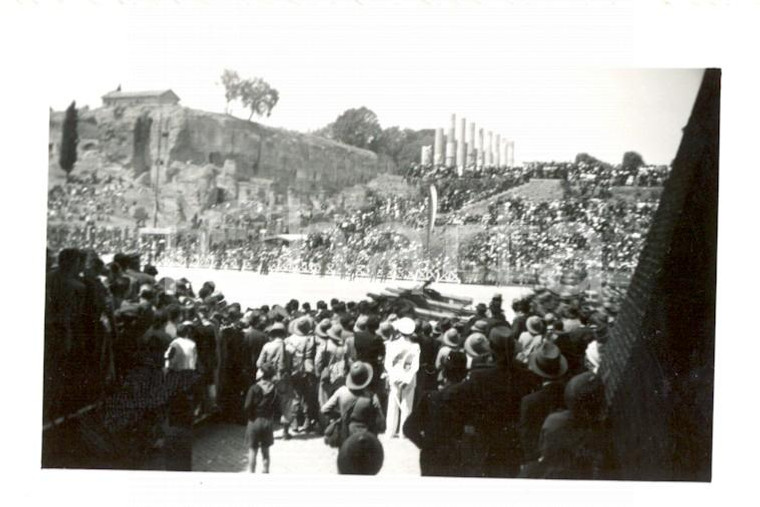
{"x":251,"y":289}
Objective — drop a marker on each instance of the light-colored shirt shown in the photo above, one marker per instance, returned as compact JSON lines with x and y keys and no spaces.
{"x":275,"y":352}
{"x":182,"y":354}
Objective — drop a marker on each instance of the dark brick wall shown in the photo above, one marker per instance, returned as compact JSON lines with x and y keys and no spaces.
{"x":659,"y":362}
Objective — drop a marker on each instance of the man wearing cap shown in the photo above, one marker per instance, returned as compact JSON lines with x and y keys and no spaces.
{"x":402,"y":358}
{"x":275,"y":353}
{"x":301,"y":346}
{"x":551,"y":366}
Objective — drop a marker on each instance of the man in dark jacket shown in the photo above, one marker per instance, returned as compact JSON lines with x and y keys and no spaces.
{"x":209,"y":356}
{"x":435,"y":425}
{"x":490,"y":402}
{"x":576,"y":443}
{"x":427,"y":375}
{"x":370,"y":348}
{"x":64,"y":329}
{"x":521,"y":307}
{"x":548,"y":364}
{"x":254,"y":340}
{"x":233,"y":385}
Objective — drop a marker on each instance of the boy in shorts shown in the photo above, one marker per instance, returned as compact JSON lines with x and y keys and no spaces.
{"x":261,"y":404}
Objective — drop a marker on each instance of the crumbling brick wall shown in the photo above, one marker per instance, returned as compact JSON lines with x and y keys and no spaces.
{"x":658,"y":369}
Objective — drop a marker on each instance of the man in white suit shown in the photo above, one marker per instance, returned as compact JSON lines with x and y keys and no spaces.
{"x":402,"y":360}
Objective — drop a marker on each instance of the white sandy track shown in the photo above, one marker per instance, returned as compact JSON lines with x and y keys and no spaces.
{"x":253,"y":290}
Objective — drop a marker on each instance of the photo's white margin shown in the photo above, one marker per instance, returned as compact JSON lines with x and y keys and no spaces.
{"x":668,"y":35}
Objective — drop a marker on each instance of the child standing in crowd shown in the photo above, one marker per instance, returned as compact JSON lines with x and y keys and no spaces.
{"x":260,"y":407}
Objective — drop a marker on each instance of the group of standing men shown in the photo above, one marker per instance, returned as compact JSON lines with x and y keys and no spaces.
{"x":474,"y":395}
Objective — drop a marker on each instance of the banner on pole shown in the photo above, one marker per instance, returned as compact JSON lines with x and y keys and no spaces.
{"x":433,"y":208}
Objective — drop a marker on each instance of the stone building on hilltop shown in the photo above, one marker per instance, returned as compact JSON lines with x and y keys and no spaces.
{"x":144,"y":98}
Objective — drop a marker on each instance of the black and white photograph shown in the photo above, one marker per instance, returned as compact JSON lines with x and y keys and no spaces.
{"x":411,"y":240}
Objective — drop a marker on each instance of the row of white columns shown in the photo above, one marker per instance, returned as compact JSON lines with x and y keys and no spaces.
{"x":454,"y":149}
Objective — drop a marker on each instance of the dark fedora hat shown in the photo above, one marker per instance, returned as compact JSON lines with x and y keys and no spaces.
{"x":547,"y":361}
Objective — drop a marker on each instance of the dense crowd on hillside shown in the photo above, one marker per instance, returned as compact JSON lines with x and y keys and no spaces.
{"x":593,"y":232}
{"x":581,"y":171}
{"x":88,"y":198}
{"x":455,"y":192}
{"x":522,"y":239}
{"x":480,"y":395}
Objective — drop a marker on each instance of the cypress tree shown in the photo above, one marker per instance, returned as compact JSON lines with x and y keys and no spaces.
{"x":69,"y":140}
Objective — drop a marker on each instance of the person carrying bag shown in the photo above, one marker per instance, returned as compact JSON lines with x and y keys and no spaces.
{"x":359,"y":408}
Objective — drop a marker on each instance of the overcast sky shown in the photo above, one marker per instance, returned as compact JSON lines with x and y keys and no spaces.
{"x":413,"y":63}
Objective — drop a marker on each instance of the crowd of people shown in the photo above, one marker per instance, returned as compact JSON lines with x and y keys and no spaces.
{"x":478,"y":394}
{"x":581,"y":232}
{"x":88,"y":198}
{"x":522,"y":241}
